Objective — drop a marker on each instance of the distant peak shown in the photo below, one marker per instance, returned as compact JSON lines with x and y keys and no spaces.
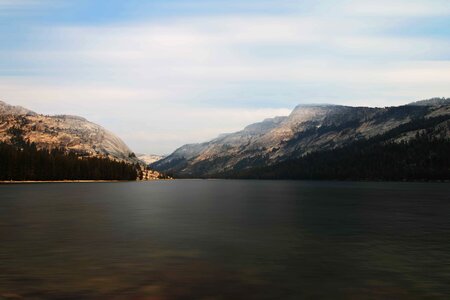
{"x":431,"y":102}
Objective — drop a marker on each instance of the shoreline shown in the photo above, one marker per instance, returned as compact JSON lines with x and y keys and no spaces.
{"x":61,"y":181}
{"x":246,"y":179}
{"x":76,"y":181}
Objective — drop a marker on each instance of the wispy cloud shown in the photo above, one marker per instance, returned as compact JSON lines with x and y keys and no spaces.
{"x":204,"y":53}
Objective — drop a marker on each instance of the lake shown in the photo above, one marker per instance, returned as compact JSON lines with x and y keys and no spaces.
{"x":225,"y":239}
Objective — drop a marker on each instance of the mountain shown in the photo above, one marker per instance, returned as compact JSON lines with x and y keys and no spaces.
{"x":63,"y":139}
{"x":423,"y":156}
{"x":71,"y":133}
{"x":149,"y":158}
{"x":431,"y":102}
{"x":308,"y":129}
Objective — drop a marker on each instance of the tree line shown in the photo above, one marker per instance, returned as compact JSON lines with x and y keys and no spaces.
{"x":23,"y":161}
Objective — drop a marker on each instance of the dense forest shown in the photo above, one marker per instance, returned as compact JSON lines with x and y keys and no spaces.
{"x":23,"y":161}
{"x":424,"y":157}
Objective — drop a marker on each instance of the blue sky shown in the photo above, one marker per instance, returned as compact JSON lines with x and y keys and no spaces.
{"x":164,"y":73}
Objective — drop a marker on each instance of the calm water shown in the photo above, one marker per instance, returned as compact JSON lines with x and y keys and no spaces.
{"x":199,"y":239}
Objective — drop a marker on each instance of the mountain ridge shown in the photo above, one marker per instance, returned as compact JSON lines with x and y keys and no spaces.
{"x":307,"y":129}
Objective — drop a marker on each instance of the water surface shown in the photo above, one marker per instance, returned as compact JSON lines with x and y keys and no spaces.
{"x":224,"y":239}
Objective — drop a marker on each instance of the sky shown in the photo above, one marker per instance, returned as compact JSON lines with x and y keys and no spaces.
{"x":164,"y":73}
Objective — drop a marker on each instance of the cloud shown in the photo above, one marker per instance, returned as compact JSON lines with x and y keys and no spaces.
{"x":223,"y":48}
{"x":194,"y":56}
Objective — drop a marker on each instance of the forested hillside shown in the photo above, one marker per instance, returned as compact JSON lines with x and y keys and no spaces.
{"x":24,"y":161}
{"x":423,"y":157}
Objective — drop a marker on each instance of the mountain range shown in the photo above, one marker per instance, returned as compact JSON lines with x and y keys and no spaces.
{"x":313,"y":142}
{"x":308,"y":129}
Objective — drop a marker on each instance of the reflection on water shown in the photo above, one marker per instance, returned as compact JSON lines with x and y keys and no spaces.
{"x":214,"y":239}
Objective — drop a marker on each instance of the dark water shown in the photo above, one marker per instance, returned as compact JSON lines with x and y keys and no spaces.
{"x":199,"y":239}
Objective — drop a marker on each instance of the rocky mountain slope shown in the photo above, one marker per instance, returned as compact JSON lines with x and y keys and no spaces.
{"x":71,"y":133}
{"x":309,"y":128}
{"x":422,"y":156}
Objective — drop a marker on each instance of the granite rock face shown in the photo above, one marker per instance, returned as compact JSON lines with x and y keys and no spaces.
{"x":307,"y":129}
{"x":72,"y":133}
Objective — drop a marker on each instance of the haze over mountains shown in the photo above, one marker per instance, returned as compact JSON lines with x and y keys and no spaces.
{"x":149,"y":158}
{"x":308,"y":129}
